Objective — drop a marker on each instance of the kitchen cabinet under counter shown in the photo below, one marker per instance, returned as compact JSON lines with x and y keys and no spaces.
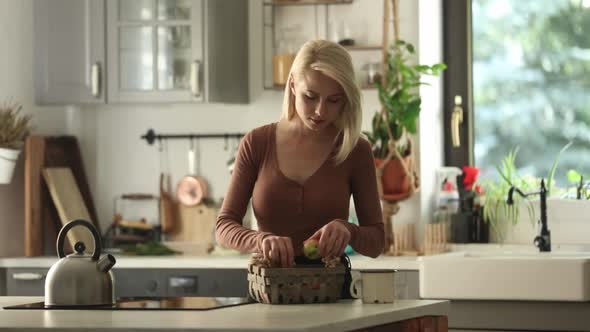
{"x":345,"y":315}
{"x":143,"y":282}
{"x":186,"y":275}
{"x":2,"y":282}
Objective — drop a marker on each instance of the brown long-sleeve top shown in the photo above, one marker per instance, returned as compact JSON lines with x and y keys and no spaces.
{"x":286,"y":208}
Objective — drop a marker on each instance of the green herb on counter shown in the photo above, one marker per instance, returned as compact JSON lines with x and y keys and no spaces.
{"x":151,"y":248}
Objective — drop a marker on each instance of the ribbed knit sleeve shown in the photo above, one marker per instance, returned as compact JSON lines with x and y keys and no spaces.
{"x":229,"y":231}
{"x":368,"y":238}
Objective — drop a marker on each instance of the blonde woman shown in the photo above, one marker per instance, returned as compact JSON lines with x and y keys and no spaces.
{"x":301,"y":171}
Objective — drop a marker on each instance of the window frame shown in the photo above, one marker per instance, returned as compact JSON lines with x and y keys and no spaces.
{"x":458,"y":79}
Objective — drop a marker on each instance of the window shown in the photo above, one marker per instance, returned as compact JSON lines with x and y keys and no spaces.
{"x":522,"y":69}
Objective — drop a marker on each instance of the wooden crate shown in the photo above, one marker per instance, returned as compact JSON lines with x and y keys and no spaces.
{"x":302,"y":284}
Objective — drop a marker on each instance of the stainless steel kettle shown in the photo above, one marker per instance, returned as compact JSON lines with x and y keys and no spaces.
{"x":79,"y":279}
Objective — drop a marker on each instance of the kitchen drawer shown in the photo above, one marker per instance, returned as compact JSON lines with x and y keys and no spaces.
{"x":405,"y":284}
{"x":139,"y":282}
{"x":180,"y":282}
{"x":206,"y":282}
{"x":25,"y":281}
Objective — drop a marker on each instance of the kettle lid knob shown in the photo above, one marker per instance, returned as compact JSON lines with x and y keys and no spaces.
{"x":80,"y":247}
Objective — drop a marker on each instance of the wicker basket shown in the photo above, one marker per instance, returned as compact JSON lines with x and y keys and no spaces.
{"x":302,"y":284}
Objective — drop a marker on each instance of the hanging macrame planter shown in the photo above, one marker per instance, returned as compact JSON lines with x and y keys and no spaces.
{"x":397,"y":176}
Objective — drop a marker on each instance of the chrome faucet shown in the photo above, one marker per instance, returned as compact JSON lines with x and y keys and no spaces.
{"x":543,"y":240}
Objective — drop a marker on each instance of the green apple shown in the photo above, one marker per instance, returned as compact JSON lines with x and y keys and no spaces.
{"x":311,"y":250}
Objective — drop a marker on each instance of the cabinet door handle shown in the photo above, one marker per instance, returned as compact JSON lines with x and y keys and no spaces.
{"x":182,"y":282}
{"x":95,"y":80}
{"x":195,"y":73}
{"x":456,"y":121}
{"x":27,"y":276}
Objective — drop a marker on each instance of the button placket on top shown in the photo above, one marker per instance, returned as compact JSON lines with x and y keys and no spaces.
{"x":301,"y":198}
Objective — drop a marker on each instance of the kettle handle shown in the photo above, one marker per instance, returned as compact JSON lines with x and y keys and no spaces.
{"x":78,"y":222}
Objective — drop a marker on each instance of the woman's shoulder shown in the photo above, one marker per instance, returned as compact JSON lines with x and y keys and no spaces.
{"x":263,"y":130}
{"x":258,"y":140}
{"x":261,"y":134}
{"x":362,"y":147}
{"x":361,"y":155}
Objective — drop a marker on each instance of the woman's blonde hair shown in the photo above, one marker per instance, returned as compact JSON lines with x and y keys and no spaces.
{"x":332,"y":60}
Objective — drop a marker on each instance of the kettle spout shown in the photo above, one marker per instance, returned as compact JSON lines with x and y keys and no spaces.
{"x":106,"y":263}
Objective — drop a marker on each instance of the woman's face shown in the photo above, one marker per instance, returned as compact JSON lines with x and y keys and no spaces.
{"x":319,"y":99}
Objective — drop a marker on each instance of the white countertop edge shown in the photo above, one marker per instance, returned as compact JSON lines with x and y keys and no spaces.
{"x":210,"y":262}
{"x":342,"y":316}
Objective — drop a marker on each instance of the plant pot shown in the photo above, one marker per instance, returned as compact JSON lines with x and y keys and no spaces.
{"x":8,"y":158}
{"x":394,"y":181}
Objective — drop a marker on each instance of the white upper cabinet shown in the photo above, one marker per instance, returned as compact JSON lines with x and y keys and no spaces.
{"x":155,"y":50}
{"x":69,"y":55}
{"x":158,"y":50}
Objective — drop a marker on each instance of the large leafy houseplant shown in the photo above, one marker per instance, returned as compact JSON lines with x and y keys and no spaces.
{"x":400,"y":108}
{"x":400,"y":101}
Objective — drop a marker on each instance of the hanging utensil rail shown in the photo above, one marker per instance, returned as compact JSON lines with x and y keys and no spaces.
{"x":151,"y":136}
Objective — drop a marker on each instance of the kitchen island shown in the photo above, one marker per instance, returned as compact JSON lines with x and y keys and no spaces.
{"x":345,"y":315}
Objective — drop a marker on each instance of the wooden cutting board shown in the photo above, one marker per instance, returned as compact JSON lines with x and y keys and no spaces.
{"x":34,"y":160}
{"x":195,"y":223}
{"x":42,"y":222}
{"x":69,"y":203}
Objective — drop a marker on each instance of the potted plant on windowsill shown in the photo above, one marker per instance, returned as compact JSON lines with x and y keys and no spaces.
{"x":392,"y":126}
{"x":14,"y":128}
{"x":503,"y":217}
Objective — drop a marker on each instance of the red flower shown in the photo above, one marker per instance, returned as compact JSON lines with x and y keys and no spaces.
{"x":471,"y":174}
{"x":478,"y":189}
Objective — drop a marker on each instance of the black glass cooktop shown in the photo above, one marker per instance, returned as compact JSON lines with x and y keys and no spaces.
{"x":169,"y":303}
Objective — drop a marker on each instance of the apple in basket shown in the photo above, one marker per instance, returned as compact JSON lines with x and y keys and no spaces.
{"x":311,"y":250}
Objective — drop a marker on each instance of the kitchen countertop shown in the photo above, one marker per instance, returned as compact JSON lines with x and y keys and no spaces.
{"x":341,"y":316}
{"x":216,"y":262}
{"x":408,"y":263}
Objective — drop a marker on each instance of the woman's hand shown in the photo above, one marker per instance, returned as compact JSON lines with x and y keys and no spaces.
{"x":279,"y":250}
{"x":332,"y":239}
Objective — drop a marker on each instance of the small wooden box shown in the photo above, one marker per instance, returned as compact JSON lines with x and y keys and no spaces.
{"x":304,"y":284}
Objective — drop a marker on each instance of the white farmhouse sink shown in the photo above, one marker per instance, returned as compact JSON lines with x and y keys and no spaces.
{"x":554,"y":276}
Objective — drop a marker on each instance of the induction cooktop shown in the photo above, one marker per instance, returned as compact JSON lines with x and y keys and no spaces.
{"x":159,"y":303}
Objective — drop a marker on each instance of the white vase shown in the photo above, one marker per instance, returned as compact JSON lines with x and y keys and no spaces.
{"x":8,"y":158}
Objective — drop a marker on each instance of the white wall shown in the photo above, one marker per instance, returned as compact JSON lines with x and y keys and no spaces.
{"x":123,"y":163}
{"x":117,"y":161}
{"x":431,"y":153}
{"x":16,"y":38}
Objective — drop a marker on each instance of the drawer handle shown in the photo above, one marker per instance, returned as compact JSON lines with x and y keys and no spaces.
{"x":27,"y":276}
{"x":183,"y":282}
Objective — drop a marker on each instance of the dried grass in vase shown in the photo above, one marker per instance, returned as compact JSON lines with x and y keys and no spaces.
{"x":14,"y":127}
